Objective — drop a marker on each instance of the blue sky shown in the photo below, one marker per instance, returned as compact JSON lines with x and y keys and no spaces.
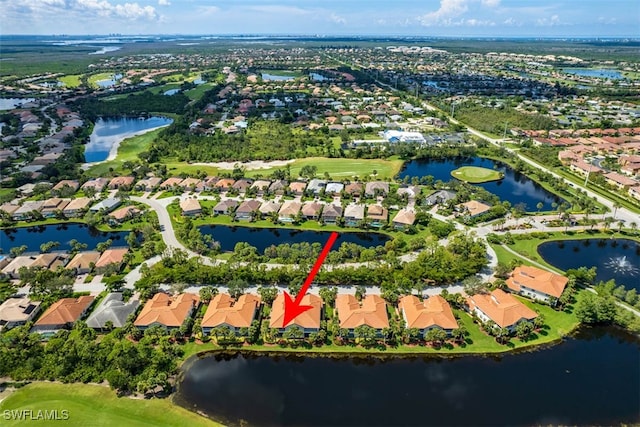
{"x":541,"y":18}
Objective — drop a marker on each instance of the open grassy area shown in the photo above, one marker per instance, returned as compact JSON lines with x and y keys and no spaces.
{"x":95,"y":78}
{"x":342,"y":168}
{"x":71,"y":80}
{"x":91,"y":405}
{"x":475,"y":174}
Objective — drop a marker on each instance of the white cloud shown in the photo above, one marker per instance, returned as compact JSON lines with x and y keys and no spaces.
{"x":548,"y":22}
{"x":208,"y":10}
{"x":164,"y":3}
{"x":337,"y":19}
{"x":450,"y":9}
{"x":477,"y":23}
{"x":511,"y":21}
{"x":278,"y":9}
{"x":86,"y":8}
{"x":491,"y":3}
{"x":606,"y":21}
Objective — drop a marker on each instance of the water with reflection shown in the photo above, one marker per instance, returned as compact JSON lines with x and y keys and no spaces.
{"x":593,"y":378}
{"x":33,"y":237}
{"x":514,"y":187}
{"x":617,"y":259}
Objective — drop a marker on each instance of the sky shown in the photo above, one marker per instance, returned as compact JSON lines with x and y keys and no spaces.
{"x":447,"y":18}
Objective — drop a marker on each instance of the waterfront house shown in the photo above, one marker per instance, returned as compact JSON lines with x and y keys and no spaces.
{"x":83,"y":262}
{"x":53,"y":205}
{"x":308,"y":322}
{"x":353,"y":215}
{"x":9,"y":208}
{"x":50,"y":261}
{"x":123,"y":214}
{"x":224,"y":311}
{"x":26,"y":209}
{"x":164,"y":310}
{"x":111,"y":258}
{"x":247,"y":210}
{"x":500,"y":307}
{"x":190,"y":207}
{"x":412,"y":191}
{"x":62,"y":314}
{"x":403,"y":219}
{"x":225,"y":207}
{"x":289,"y":211}
{"x":106,"y":205}
{"x":76,"y":207}
{"x":311,"y":211}
{"x":536,"y":283}
{"x":377,"y":215}
{"x":439,"y":197}
{"x":269,"y":207}
{"x":372,"y":311}
{"x":433,"y":312}
{"x":112,"y":309}
{"x":17,"y":311}
{"x":12,"y":269}
{"x":331,"y":213}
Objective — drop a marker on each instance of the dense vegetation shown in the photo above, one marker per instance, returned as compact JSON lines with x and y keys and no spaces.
{"x":494,"y":119}
{"x":133,"y":105}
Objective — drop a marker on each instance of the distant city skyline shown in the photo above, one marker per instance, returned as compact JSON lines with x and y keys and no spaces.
{"x":444,"y":18}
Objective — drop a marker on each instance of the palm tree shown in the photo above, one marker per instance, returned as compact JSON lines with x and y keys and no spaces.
{"x":616,"y":205}
{"x":634,"y":226}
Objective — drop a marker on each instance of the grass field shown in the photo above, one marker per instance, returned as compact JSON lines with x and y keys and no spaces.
{"x":127,"y":151}
{"x":71,"y":80}
{"x":93,"y":79}
{"x":476,"y":175}
{"x":342,"y":168}
{"x":91,"y":405}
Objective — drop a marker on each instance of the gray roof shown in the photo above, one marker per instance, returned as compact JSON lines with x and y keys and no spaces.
{"x":112,"y":308}
{"x":106,"y":204}
{"x":316,"y":185}
{"x":440,"y":197}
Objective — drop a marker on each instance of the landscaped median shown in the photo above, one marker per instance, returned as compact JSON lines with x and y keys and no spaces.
{"x":476,"y":175}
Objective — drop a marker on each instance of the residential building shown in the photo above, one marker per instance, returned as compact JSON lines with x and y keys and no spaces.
{"x":412,"y":191}
{"x":439,"y":197}
{"x":500,"y":307}
{"x":53,"y":205}
{"x":311,"y":211}
{"x":242,"y":185}
{"x":121,"y":183}
{"x":316,"y":186}
{"x":17,"y":311}
{"x":224,"y":184}
{"x":353,"y":215}
{"x":70,"y":183}
{"x":12,"y":269}
{"x":190,"y":207}
{"x":331,"y":213}
{"x":433,"y":312}
{"x":171,"y":183}
{"x":334,"y":188}
{"x":261,"y":186}
{"x":83,"y":262}
{"x":148,"y":184}
{"x":189,"y":184}
{"x":297,"y":187}
{"x":247,"y":210}
{"x":308,"y":322}
{"x":224,"y":311}
{"x":225,"y":206}
{"x":97,"y":184}
{"x":112,"y":309}
{"x":404,"y":218}
{"x":106,"y":205}
{"x":76,"y":207}
{"x":354,"y":189}
{"x":111,"y":257}
{"x":473,"y":208}
{"x":536,"y":283}
{"x":50,"y":261}
{"x":269,"y":207}
{"x":124,"y":214}
{"x":372,"y":311}
{"x":26,"y":209}
{"x":62,"y":314}
{"x":279,"y":187}
{"x":167,"y":311}
{"x":376,"y":188}
{"x":377,"y":215}
{"x":289,"y":211}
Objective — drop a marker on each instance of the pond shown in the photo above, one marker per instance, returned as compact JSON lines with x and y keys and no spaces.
{"x":617,"y":259}
{"x":514,"y":187}
{"x":171,"y":92}
{"x":11,"y":103}
{"x":592,"y":378}
{"x":108,"y":133}
{"x":109,"y":82}
{"x":33,"y":237}
{"x":317,"y":77}
{"x":262,"y":238}
{"x":276,"y":77}
{"x":602,"y":73}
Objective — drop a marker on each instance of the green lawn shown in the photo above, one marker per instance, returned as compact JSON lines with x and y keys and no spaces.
{"x":91,"y":405}
{"x":71,"y":80}
{"x":95,"y":78}
{"x":127,"y":151}
{"x":475,"y":174}
{"x":342,"y":168}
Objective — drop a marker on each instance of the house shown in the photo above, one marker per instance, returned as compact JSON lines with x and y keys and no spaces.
{"x":297,"y":187}
{"x":83,"y":262}
{"x":72,"y":184}
{"x":500,"y":307}
{"x":53,"y":205}
{"x":377,"y":215}
{"x":97,"y":184}
{"x":334,"y":188}
{"x":148,"y":184}
{"x":536,"y":283}
{"x":9,"y":208}
{"x":50,"y":261}
{"x":62,"y":314}
{"x":12,"y":269}
{"x":308,"y":322}
{"x":620,"y":181}
{"x":372,"y":311}
{"x":439,"y":197}
{"x":111,"y":257}
{"x":225,"y":207}
{"x":242,"y":185}
{"x":106,"y":205}
{"x":224,"y":184}
{"x":76,"y":207}
{"x":433,"y":312}
{"x":331,"y":213}
{"x":269,"y":207}
{"x":473,"y":208}
{"x":404,"y":218}
{"x":247,"y":210}
{"x":316,"y":186}
{"x":376,"y":188}
{"x":353,"y":215}
{"x":412,"y":191}
{"x":354,"y":189}
{"x":311,"y":210}
{"x":189,"y":184}
{"x":123,"y":214}
{"x":279,"y":187}
{"x":224,"y":311}
{"x":261,"y":186}
{"x":17,"y":311}
{"x":289,"y":211}
{"x":26,"y":209}
{"x":164,"y":310}
{"x":190,"y":207}
{"x":635,"y":192}
{"x":121,"y":183}
{"x":171,"y":183}
{"x":112,"y":309}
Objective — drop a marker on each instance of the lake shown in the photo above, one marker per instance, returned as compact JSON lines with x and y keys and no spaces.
{"x":262,"y":238}
{"x":317,"y":77}
{"x":617,"y":259}
{"x":592,"y":378}
{"x":276,"y":77}
{"x":514,"y":187}
{"x":11,"y":103}
{"x":33,"y":237}
{"x":602,"y":73}
{"x":171,"y":92}
{"x":109,"y":82}
{"x":108,"y":133}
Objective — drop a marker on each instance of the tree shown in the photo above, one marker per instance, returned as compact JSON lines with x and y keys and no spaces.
{"x":103,"y":246}
{"x":366,"y":335}
{"x":539,"y":205}
{"x":523,"y":330}
{"x":616,"y":206}
{"x":328,"y":294}
{"x":474,"y":285}
{"x":267,"y":294}
{"x":361,"y":292}
{"x":459,"y":333}
{"x":293,"y":333}
{"x":206,"y":293}
{"x":47,"y":246}
{"x":586,"y":309}
{"x":237,"y":287}
{"x":435,"y":336}
{"x":17,"y":250}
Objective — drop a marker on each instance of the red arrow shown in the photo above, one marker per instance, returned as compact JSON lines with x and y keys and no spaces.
{"x":293,"y":309}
